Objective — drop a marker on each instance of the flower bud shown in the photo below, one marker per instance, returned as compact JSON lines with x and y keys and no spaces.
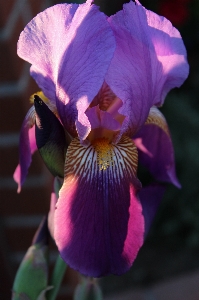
{"x":50,"y":138}
{"x":31,"y":279}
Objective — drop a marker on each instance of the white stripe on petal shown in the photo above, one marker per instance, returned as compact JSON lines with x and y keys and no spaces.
{"x":119,"y":160}
{"x":98,"y":221}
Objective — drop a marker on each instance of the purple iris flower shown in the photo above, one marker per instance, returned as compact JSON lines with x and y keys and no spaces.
{"x":103,"y":78}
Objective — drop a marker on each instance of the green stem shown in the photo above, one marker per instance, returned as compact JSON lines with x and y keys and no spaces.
{"x":56,"y":279}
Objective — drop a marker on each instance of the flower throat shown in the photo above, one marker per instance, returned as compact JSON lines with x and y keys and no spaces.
{"x":104,"y":150}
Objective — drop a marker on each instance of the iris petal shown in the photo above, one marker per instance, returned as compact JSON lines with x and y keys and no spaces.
{"x":51,"y":214}
{"x":99,"y":225}
{"x":149,"y":60}
{"x":102,"y":119}
{"x":155,"y":148}
{"x":171,"y":53}
{"x":70,"y":48}
{"x":27,"y":146}
{"x":130,"y":70}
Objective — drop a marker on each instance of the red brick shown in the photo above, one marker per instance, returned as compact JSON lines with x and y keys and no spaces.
{"x":7,"y":71}
{"x":11,"y":114}
{"x":6,"y":9}
{"x":19,"y":239}
{"x":29,"y":201}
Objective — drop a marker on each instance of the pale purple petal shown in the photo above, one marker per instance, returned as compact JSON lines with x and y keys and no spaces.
{"x":149,"y":60}
{"x":171,"y":53}
{"x":27,"y":146}
{"x":102,"y":119}
{"x":84,"y":65}
{"x":70,"y":48}
{"x":150,"y":198}
{"x":99,"y":226}
{"x":155,"y":148}
{"x":42,"y":44}
{"x":130,"y":70}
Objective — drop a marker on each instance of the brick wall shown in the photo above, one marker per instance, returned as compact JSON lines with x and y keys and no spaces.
{"x":21,"y":213}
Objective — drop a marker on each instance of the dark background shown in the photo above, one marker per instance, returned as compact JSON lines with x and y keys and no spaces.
{"x":172,"y":245}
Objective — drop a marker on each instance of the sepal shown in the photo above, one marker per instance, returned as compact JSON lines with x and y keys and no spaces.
{"x":155,"y":148}
{"x":98,"y":211}
{"x":51,"y":139}
{"x":27,"y":146}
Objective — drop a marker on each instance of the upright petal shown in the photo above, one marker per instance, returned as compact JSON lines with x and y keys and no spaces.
{"x":155,"y":148}
{"x":27,"y":146}
{"x":149,"y":60}
{"x":102,"y":119}
{"x":42,"y":42}
{"x":99,"y":225}
{"x":130,"y":70}
{"x":70,"y":48}
{"x":171,"y":54}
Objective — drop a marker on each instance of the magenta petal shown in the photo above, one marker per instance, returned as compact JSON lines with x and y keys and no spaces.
{"x":70,"y":48}
{"x":27,"y":146}
{"x":53,"y":201}
{"x":156,"y":153}
{"x":150,"y":198}
{"x":149,"y":60}
{"x":99,"y":225}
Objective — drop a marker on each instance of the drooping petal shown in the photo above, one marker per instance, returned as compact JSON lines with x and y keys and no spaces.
{"x":150,"y":198}
{"x":149,"y":60}
{"x":70,"y":48}
{"x":27,"y":146}
{"x":155,"y":148}
{"x":99,"y":225}
{"x":51,"y":139}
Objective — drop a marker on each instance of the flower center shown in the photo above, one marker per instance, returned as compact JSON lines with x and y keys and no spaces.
{"x":41,"y":95}
{"x":104,"y":150}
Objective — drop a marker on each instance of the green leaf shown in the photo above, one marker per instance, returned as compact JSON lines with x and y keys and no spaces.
{"x":31,"y":278}
{"x":56,"y":279}
{"x":88,"y":290}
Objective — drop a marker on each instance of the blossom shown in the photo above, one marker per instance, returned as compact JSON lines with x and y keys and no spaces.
{"x":103,"y":78}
